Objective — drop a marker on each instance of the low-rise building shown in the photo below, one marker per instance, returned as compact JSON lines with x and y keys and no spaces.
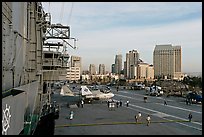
{"x":73,"y":74}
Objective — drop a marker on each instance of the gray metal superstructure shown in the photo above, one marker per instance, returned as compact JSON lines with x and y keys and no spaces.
{"x":25,"y":88}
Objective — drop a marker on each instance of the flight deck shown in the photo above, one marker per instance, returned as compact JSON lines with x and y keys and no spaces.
{"x":99,"y":119}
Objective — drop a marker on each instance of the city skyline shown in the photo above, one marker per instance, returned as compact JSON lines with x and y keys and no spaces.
{"x":105,"y":29}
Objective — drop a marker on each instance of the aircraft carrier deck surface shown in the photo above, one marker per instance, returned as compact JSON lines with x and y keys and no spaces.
{"x":98,"y":119}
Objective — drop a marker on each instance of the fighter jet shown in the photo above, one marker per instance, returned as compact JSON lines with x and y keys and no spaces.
{"x":90,"y":95}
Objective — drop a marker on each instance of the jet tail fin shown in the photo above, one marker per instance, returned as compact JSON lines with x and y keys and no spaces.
{"x":85,"y":91}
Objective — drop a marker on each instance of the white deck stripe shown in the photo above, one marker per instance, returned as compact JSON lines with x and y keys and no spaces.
{"x":165,"y":114}
{"x":169,"y":119}
{"x":180,"y":108}
{"x":166,"y":105}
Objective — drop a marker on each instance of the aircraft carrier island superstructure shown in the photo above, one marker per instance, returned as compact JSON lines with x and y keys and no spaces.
{"x":30,"y":62}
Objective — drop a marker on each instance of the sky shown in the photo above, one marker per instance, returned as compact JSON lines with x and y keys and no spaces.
{"x":105,"y":29}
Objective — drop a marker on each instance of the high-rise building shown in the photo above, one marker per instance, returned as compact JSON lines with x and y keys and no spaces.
{"x":75,"y":61}
{"x":167,"y":61}
{"x":133,"y":72}
{"x":118,"y":64}
{"x":101,"y":69}
{"x":113,"y":68}
{"x":125,"y":69}
{"x":132,"y":60}
{"x":177,"y":54}
{"x":74,"y":71}
{"x":92,"y":69}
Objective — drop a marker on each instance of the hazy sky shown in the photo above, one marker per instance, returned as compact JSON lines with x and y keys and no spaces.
{"x":104,"y":29}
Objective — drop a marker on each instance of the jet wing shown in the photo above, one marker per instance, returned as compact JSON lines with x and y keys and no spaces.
{"x":65,"y":91}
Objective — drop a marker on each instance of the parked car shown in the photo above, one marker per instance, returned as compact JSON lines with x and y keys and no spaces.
{"x":154,"y":91}
{"x":194,"y":97}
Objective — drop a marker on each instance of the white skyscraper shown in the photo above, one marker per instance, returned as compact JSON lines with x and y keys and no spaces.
{"x":132,"y":60}
{"x":101,"y":69}
{"x":118,"y":64}
{"x":92,"y":69}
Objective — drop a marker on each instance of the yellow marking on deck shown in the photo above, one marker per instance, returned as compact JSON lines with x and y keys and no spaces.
{"x":117,"y":123}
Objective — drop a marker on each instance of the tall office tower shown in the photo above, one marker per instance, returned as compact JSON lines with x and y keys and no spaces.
{"x":113,"y":68}
{"x":132,"y":60}
{"x":101,"y":69}
{"x":75,"y":61}
{"x":167,"y":61}
{"x":125,"y":69}
{"x":92,"y":69}
{"x":177,"y":54}
{"x":74,"y":70}
{"x":118,"y":64}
